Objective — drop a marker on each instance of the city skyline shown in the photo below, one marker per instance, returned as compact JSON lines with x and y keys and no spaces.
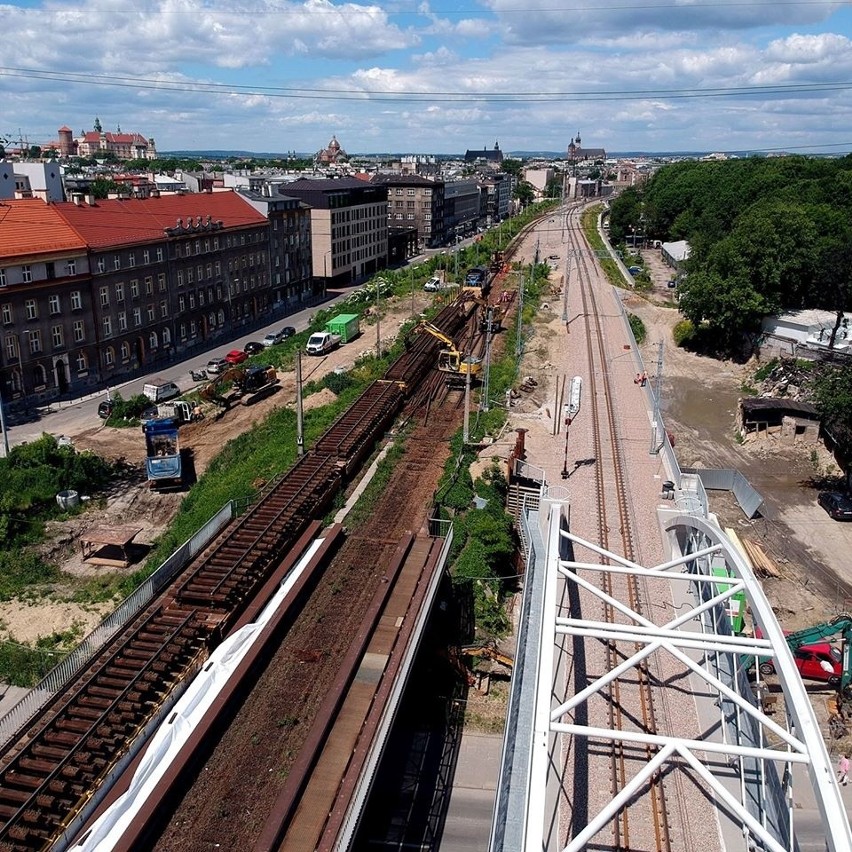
{"x":424,"y":78}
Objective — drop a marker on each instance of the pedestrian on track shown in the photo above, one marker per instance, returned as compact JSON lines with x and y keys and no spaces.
{"x":843,"y":769}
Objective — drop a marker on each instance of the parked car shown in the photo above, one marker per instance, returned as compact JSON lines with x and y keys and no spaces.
{"x":837,"y":504}
{"x":236,"y":356}
{"x":105,"y":409}
{"x":432,"y":285}
{"x":634,"y":270}
{"x":253,"y":347}
{"x":279,"y":336}
{"x":216,"y":365}
{"x":672,"y":284}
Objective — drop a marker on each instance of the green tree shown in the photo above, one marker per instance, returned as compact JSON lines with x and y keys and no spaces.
{"x":102,"y":187}
{"x":524,"y":193}
{"x":512,"y":167}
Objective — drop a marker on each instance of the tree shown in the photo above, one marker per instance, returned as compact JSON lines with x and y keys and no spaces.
{"x":512,"y":167}
{"x":554,"y":187}
{"x":34,"y":152}
{"x":102,"y":187}
{"x":524,"y":193}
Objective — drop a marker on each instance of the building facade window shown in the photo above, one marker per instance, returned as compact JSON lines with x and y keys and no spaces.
{"x":116,"y":261}
{"x":31,"y":309}
{"x":104,"y":297}
{"x":56,"y":337}
{"x":35,"y":341}
{"x":11,"y":347}
{"x":79,"y":331}
{"x":7,"y":314}
{"x":134,"y":288}
{"x":149,"y":285}
{"x":125,"y":351}
{"x":159,"y":255}
{"x":76,"y":301}
{"x":153,"y":341}
{"x":71,"y":267}
{"x":161,"y":282}
{"x":137,"y":317}
{"x":151,"y":313}
{"x":122,"y":321}
{"x":146,"y":256}
{"x":82,"y":362}
{"x":101,"y":264}
{"x":131,"y":259}
{"x":26,"y":274}
{"x":109,"y":356}
{"x":2,"y":278}
{"x":53,"y":305}
{"x":107,"y":326}
{"x":167,"y":337}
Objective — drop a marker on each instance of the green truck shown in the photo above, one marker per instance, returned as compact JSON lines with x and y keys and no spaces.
{"x":345,"y":326}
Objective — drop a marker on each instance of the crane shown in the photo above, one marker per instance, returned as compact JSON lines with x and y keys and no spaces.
{"x":450,"y":360}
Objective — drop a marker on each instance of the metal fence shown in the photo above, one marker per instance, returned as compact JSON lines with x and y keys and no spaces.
{"x":60,"y":675}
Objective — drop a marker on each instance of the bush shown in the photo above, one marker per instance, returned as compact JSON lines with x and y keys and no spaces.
{"x":127,"y":412}
{"x":683,"y":332}
{"x":638,"y":328}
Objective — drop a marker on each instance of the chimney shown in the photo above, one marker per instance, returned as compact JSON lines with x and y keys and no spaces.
{"x":90,"y":200}
{"x":77,"y":198}
{"x":179,"y":224}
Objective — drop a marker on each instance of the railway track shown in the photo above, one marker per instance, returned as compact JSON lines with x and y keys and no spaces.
{"x":630,"y":699}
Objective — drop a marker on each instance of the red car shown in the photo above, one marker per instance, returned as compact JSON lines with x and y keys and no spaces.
{"x":236,"y":356}
{"x":819,"y":661}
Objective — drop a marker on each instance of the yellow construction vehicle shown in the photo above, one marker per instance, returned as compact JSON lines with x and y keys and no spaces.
{"x":450,"y":360}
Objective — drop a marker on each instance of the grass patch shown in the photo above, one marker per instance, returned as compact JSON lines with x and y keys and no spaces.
{"x":765,"y":370}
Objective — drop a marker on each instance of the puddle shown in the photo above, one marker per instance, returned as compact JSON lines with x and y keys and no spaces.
{"x":709,"y":411}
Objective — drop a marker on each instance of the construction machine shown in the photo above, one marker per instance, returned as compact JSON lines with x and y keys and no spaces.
{"x":241,"y":384}
{"x":450,"y":360}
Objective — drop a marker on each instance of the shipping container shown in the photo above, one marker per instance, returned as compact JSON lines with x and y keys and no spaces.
{"x":346,"y":326}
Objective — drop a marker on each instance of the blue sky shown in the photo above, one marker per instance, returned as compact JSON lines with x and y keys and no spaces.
{"x":433,"y":77}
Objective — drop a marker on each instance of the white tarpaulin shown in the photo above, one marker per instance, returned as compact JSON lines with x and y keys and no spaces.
{"x":186,"y":715}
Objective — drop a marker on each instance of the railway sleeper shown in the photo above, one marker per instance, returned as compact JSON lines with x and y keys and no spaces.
{"x":79,"y":711}
{"x":15,"y":796}
{"x":71,"y":726}
{"x":6,"y":813}
{"x":42,"y":767}
{"x":60,"y":739}
{"x":21,"y":781}
{"x":47,"y":752}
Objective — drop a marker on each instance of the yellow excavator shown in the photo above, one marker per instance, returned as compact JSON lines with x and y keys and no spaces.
{"x":450,"y":360}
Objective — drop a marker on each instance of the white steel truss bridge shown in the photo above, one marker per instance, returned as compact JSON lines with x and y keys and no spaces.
{"x":745,"y":762}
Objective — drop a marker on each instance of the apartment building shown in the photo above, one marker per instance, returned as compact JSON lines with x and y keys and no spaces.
{"x":349,"y":227}
{"x":170,"y":274}
{"x":463,"y":208}
{"x":95,"y":292}
{"x":48,"y":333}
{"x":415,"y":202}
{"x":290,"y":263}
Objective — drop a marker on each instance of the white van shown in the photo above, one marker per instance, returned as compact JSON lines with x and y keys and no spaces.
{"x":161,"y":391}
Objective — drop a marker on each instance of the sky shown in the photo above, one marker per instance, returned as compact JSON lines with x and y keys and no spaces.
{"x":433,"y":76}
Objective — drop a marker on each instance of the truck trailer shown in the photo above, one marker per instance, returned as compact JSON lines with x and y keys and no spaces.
{"x":162,"y":453}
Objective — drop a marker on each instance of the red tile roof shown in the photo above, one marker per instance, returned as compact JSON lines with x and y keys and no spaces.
{"x":116,"y":222}
{"x":29,"y":226}
{"x":64,"y":129}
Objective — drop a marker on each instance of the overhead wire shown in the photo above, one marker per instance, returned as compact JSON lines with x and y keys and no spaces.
{"x":184,"y":85}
